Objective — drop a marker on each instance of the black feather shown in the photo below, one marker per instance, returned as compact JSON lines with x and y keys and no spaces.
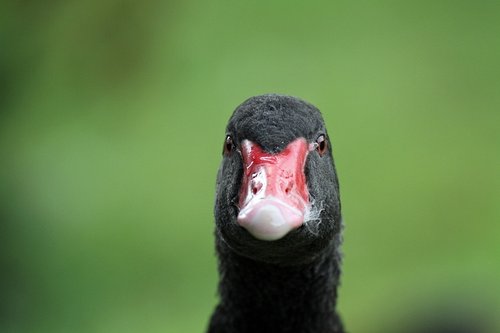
{"x":287,"y":285}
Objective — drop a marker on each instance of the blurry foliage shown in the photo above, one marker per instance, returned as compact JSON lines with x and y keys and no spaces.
{"x":112,"y":116}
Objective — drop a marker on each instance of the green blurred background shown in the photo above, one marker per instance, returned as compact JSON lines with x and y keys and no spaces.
{"x":112,"y":116}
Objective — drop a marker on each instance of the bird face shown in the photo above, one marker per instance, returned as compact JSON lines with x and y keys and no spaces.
{"x":277,"y":195}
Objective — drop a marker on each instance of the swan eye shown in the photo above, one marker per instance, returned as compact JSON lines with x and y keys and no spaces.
{"x":321,"y":145}
{"x":228,"y":145}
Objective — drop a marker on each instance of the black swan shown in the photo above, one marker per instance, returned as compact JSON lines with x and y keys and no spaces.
{"x":278,"y":221}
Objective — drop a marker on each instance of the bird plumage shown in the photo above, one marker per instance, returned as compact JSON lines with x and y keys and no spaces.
{"x":288,"y":284}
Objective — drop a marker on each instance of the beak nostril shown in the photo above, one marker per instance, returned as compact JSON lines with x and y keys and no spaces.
{"x":287,"y":187}
{"x":256,"y":187}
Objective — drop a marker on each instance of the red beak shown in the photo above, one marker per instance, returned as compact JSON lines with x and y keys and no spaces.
{"x":274,"y":196}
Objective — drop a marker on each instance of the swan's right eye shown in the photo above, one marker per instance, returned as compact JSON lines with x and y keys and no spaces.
{"x":321,"y":145}
{"x":228,"y":145}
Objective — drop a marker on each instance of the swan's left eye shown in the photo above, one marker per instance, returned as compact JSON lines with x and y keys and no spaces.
{"x":228,"y":145}
{"x":321,"y":145}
